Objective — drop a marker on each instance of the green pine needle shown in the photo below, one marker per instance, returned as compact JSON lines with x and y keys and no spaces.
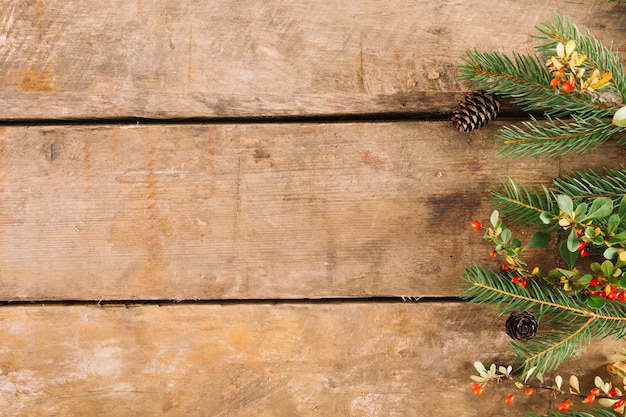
{"x":575,"y":121}
{"x":596,"y":412}
{"x":523,"y":204}
{"x":589,"y":185}
{"x":572,"y":323}
{"x":554,"y":136}
{"x":598,"y":55}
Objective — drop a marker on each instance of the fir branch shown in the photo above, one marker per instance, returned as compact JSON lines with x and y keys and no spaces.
{"x":527,"y":81}
{"x":596,"y":412}
{"x":573,"y":321}
{"x":598,"y":55}
{"x":523,"y":204}
{"x":589,"y":185}
{"x":554,"y":136}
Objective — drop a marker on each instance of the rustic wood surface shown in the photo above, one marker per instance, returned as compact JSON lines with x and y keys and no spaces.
{"x":251,"y":218}
{"x":355,"y":359}
{"x":184,"y":59}
{"x":250,"y":211}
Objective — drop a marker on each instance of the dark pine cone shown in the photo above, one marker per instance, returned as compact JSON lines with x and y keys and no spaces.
{"x":521,"y":326}
{"x":475,"y":111}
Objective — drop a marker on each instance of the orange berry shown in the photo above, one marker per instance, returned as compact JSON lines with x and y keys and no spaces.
{"x":567,"y":86}
{"x":555,"y":81}
{"x":589,"y":399}
{"x":595,"y":391}
{"x":478,"y":389}
{"x":530,"y":390}
{"x":492,"y":253}
{"x":509,"y":398}
{"x":564,"y":406}
{"x":476,"y":225}
{"x":559,"y":73}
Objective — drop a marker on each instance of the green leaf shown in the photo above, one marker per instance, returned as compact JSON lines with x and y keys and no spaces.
{"x":546,"y":217}
{"x":595,"y":301}
{"x":506,"y":235}
{"x":565,"y":204}
{"x":584,"y":280}
{"x":622,"y":281}
{"x":538,"y":240}
{"x":495,"y":219}
{"x":572,"y":241}
{"x":610,"y":253}
{"x":619,"y":118}
{"x":607,"y":268}
{"x":622,"y":207}
{"x":569,"y":257}
{"x":601,"y":207}
{"x":614,"y":221}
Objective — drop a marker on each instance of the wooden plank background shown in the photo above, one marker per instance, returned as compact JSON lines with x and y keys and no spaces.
{"x":179,"y":179}
{"x":250,"y":211}
{"x":247,"y":58}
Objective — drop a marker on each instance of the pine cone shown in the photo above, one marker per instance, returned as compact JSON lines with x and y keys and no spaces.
{"x":521,"y":326}
{"x":475,"y":111}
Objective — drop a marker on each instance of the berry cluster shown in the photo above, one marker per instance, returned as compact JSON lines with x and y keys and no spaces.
{"x":607,"y":395}
{"x":565,"y":68}
{"x":598,"y":228}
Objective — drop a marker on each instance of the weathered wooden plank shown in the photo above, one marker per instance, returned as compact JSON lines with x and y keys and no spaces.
{"x":249,"y":211}
{"x":156,"y":59}
{"x":410,"y":359}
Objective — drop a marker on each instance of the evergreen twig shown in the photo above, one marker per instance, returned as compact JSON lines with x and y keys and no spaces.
{"x":523,"y":204}
{"x":573,"y":322}
{"x":577,"y":120}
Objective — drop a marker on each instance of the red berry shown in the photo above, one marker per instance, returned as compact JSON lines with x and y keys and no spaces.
{"x":555,"y":81}
{"x":567,"y":86}
{"x":622,"y":296}
{"x":564,"y":406}
{"x":594,"y":292}
{"x":476,"y":225}
{"x":581,"y":245}
{"x":509,"y":398}
{"x":530,"y":390}
{"x":594,"y":282}
{"x":602,"y":294}
{"x":589,"y":399}
{"x":619,"y":403}
{"x":584,"y":252}
{"x":492,"y":253}
{"x":595,"y":391}
{"x":523,"y":283}
{"x":612,"y":392}
{"x":515,"y":279}
{"x":478,"y":389}
{"x":506,"y":266}
{"x":613,"y":295}
{"x":578,"y":233}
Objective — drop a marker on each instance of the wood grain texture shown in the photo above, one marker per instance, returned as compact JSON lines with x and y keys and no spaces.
{"x":182,"y":59}
{"x":250,"y":211}
{"x":410,"y":359}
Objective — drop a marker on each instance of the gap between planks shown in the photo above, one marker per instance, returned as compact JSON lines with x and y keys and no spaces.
{"x":251,"y":301}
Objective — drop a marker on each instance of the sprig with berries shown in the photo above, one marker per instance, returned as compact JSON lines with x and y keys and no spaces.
{"x":587,"y":213}
{"x":562,"y":396}
{"x":573,"y":80}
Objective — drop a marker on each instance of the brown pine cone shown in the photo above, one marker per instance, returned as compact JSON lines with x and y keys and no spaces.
{"x":521,"y":326}
{"x":475,"y":111}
